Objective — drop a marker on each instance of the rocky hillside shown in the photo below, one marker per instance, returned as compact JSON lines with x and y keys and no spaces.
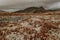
{"x":35,"y":10}
{"x":31,"y":10}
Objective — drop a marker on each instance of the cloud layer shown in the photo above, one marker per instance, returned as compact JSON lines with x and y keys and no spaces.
{"x":22,"y":4}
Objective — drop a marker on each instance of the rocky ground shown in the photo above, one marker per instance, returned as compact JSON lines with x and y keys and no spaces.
{"x":30,"y":25}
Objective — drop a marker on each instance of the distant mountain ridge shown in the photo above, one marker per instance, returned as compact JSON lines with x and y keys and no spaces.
{"x":34,"y":10}
{"x":31,"y":9}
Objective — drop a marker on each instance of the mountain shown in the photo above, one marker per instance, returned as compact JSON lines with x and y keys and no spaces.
{"x":31,"y":9}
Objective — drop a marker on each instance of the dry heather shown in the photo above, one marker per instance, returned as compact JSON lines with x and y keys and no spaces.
{"x":30,"y":25}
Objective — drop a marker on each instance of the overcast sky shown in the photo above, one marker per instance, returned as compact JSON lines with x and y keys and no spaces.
{"x":22,"y":4}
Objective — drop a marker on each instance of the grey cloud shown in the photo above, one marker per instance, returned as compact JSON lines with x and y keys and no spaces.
{"x":22,"y":4}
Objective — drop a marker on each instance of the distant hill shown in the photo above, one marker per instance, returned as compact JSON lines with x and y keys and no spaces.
{"x":2,"y":11}
{"x":31,"y":9}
